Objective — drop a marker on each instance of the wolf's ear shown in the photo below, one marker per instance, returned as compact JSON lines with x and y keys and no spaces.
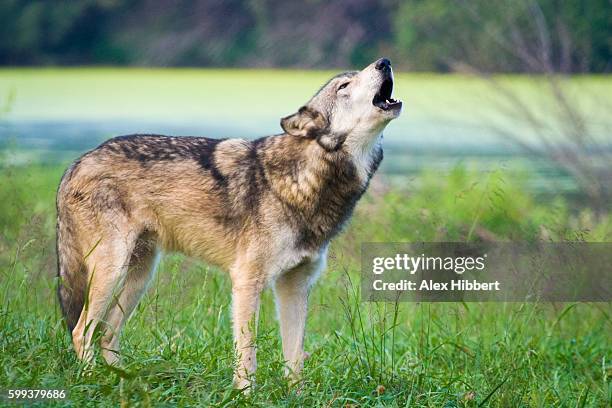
{"x":306,"y":122}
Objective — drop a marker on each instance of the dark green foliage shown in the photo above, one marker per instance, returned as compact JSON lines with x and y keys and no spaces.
{"x":500,"y":36}
{"x":506,"y":36}
{"x":57,"y":32}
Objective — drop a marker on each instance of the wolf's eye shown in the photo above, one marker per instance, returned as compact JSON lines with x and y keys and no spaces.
{"x":344,"y":85}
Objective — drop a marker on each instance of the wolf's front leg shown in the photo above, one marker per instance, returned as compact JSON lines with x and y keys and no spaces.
{"x":245,"y":310}
{"x":291,"y":290}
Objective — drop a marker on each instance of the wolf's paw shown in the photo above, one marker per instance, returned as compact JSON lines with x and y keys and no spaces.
{"x":246,"y":385}
{"x":112,"y":357}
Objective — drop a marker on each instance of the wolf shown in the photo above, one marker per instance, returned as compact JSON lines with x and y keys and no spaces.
{"x":264,"y":210}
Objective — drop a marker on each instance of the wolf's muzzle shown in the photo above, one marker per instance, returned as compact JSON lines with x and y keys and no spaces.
{"x":383,"y":99}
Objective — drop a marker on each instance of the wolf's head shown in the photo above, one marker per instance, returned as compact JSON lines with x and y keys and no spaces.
{"x":353,"y":107}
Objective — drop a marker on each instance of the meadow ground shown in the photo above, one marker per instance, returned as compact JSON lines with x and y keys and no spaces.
{"x":178,"y":346}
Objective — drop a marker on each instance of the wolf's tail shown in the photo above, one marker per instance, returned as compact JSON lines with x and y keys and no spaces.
{"x":71,"y":272}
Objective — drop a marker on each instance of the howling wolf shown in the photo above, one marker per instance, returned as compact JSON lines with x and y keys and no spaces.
{"x":264,"y":210}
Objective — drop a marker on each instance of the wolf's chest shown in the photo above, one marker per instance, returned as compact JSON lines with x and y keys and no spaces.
{"x":326,"y":219}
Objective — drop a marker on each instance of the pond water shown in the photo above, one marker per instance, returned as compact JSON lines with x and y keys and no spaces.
{"x":54,"y":115}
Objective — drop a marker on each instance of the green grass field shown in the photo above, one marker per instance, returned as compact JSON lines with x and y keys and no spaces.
{"x":178,"y":347}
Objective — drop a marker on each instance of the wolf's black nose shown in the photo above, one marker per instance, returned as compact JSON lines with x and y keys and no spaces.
{"x":383,"y":64}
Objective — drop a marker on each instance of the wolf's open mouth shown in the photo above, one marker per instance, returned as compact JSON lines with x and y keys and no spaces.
{"x":383,"y":99}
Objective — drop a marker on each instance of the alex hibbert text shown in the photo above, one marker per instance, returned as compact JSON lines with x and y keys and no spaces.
{"x":430,"y":285}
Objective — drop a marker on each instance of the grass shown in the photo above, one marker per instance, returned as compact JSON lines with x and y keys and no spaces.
{"x":177,"y":349}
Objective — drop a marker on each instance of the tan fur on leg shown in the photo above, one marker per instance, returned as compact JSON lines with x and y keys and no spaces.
{"x":107,"y":266}
{"x":246,"y":292}
{"x":142,"y":269}
{"x":291,"y":290}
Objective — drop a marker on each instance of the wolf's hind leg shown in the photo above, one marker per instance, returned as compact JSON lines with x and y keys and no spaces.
{"x":107,"y":266}
{"x":140,"y":272}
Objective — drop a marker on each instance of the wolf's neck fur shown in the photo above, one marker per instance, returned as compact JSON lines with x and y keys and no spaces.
{"x":364,"y":154}
{"x":319,"y":187}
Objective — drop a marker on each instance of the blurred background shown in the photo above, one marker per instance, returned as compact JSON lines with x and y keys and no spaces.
{"x":505,"y":36}
{"x":550,"y":116}
{"x":520,"y":86}
{"x":506,"y":135}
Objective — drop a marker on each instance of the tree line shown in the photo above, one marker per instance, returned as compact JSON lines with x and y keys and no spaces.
{"x":571,"y":36}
